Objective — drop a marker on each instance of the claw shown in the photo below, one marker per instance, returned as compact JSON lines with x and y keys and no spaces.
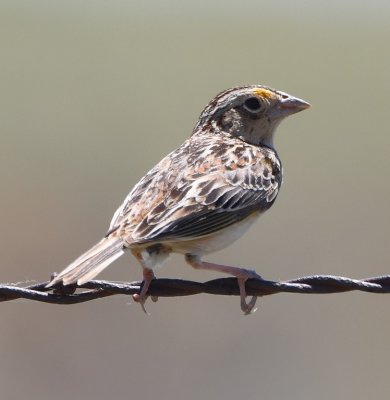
{"x":141,"y":300}
{"x":247,"y":308}
{"x":142,"y":296}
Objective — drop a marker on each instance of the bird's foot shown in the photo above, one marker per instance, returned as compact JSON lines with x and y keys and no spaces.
{"x":241,"y":274}
{"x":247,"y":307}
{"x":142,"y":296}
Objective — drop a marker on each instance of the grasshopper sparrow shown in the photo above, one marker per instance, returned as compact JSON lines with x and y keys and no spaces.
{"x":202,"y":196}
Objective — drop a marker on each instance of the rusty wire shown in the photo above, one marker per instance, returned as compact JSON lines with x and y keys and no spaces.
{"x":316,"y":284}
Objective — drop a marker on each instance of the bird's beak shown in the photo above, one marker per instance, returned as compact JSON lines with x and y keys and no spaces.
{"x":291,"y":105}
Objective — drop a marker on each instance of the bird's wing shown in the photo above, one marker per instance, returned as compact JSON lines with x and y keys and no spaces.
{"x":201,"y":188}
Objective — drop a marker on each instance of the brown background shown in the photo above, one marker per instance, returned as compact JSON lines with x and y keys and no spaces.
{"x":92,"y":94}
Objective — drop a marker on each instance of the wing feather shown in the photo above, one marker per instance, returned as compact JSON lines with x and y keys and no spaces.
{"x":197,"y":190}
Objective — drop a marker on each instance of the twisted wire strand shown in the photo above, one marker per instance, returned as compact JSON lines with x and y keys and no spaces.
{"x":73,"y":294}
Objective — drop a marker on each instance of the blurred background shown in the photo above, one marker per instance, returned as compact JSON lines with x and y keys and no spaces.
{"x":93,"y":94}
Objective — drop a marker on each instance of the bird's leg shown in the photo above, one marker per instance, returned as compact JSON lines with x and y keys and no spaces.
{"x":241,"y":274}
{"x":148,"y":276}
{"x":141,"y":298}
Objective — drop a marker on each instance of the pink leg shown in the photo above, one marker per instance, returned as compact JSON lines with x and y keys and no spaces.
{"x":141,"y":298}
{"x":148,"y":276}
{"x":241,"y":274}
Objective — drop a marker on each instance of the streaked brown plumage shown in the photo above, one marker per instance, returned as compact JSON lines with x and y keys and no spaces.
{"x":202,"y":196}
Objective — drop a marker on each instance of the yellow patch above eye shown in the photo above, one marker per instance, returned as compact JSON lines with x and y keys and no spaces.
{"x":265,"y":93}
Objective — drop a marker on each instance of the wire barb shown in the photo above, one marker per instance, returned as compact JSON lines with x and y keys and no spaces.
{"x":73,"y":294}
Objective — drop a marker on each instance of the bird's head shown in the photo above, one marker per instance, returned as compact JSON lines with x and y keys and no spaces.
{"x":250,"y":113}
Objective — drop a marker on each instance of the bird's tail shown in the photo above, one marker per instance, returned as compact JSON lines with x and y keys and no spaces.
{"x":91,"y":263}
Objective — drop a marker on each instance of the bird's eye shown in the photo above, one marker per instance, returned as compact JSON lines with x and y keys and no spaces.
{"x":252,"y":104}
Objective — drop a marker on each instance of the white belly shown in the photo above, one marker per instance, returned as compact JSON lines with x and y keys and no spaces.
{"x":214,"y":242}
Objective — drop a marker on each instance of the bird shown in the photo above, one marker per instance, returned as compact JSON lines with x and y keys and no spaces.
{"x":202,"y":196}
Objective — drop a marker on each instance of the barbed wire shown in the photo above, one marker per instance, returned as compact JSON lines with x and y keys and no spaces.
{"x":72,"y":294}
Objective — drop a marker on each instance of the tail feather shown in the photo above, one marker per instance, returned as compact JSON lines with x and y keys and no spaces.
{"x":91,"y":263}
